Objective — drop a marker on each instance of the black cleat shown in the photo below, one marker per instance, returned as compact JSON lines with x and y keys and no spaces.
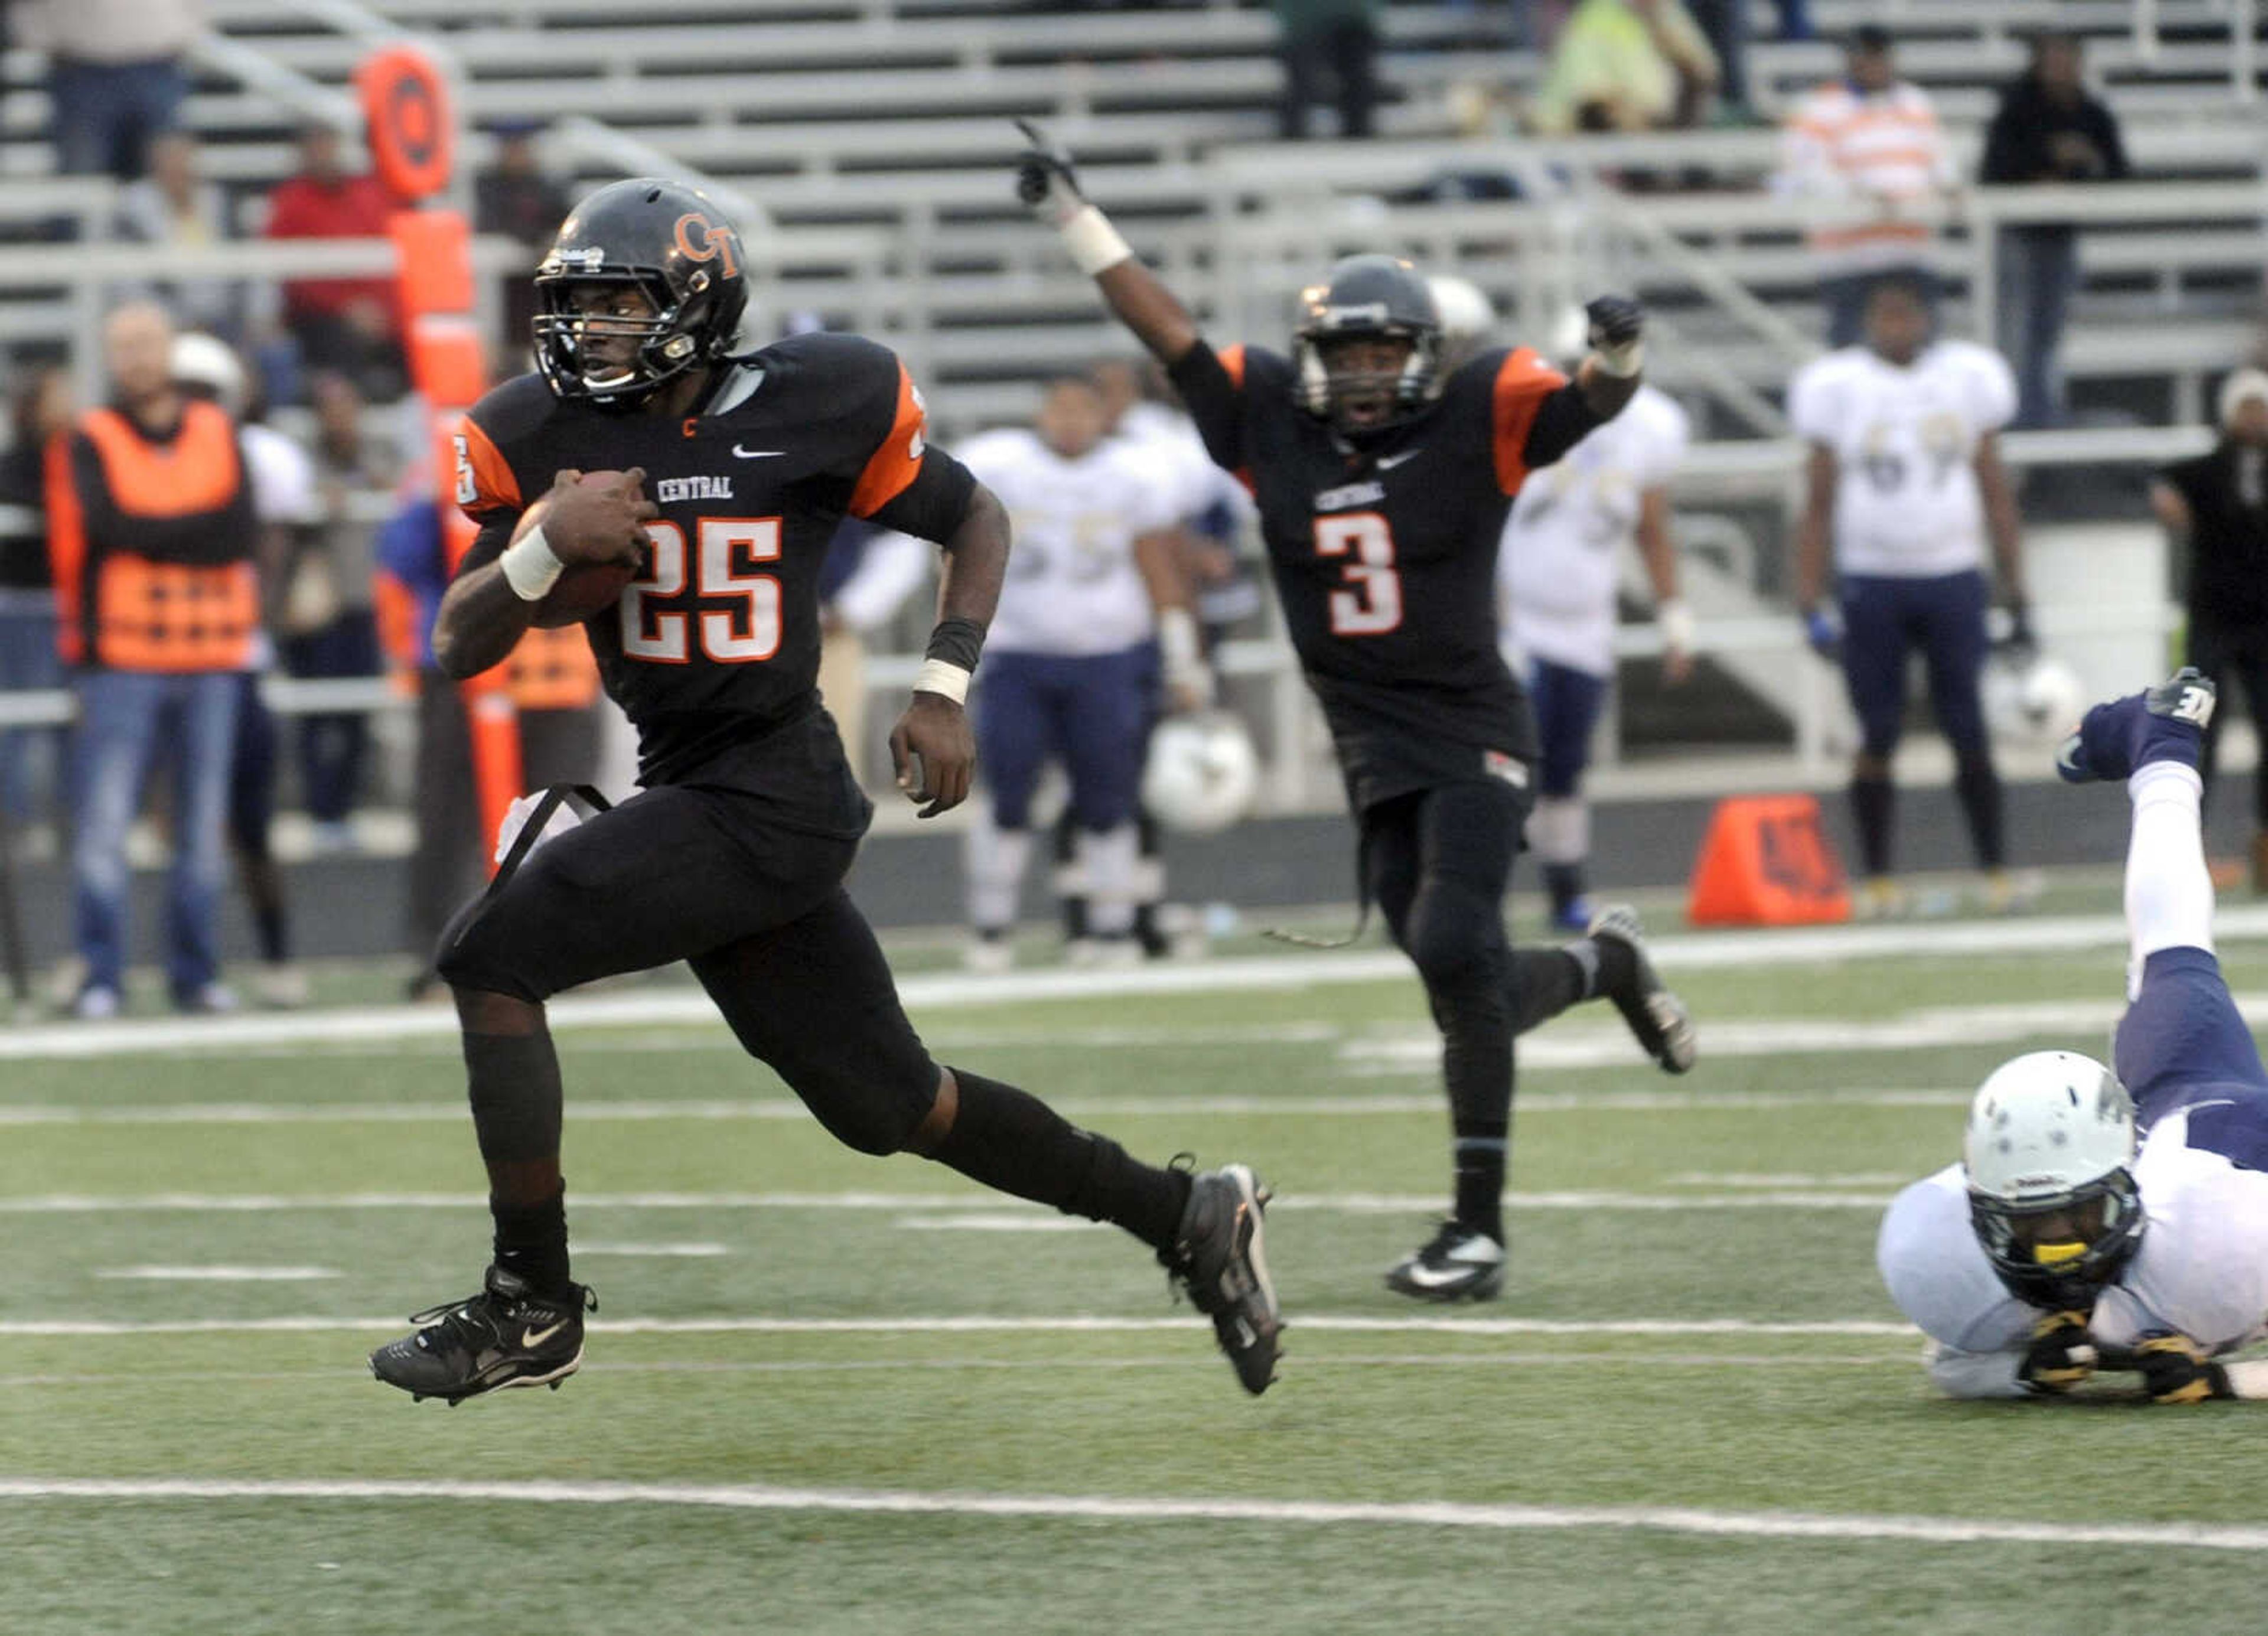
{"x":1460,"y":1263}
{"x":1218,"y":1256}
{"x":1657,"y":1018}
{"x":505,"y":1336}
{"x":2116,"y":740}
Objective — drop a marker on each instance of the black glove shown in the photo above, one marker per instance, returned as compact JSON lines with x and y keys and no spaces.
{"x":2175,"y":1369}
{"x":1616,"y":321}
{"x":1045,"y":181}
{"x":2018,"y":643}
{"x":2062,"y":1353}
{"x":1616,"y":335}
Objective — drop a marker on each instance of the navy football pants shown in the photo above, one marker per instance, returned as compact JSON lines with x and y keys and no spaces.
{"x":1884,"y":619}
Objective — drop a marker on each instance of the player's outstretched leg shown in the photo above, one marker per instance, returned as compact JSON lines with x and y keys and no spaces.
{"x":2116,"y":740}
{"x":1611,"y":964}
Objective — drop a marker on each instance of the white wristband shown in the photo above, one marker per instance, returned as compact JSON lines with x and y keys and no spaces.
{"x":1675,"y":621}
{"x":1094,"y":243}
{"x":1620,"y":362}
{"x":530,"y":566}
{"x":1177,"y":641}
{"x":945,"y":679}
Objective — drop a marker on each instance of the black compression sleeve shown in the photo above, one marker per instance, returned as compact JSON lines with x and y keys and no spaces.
{"x":930,"y":507}
{"x":1215,"y":402}
{"x":1562,"y":421}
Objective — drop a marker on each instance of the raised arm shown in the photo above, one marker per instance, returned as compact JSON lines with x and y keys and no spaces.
{"x":1139,"y":298}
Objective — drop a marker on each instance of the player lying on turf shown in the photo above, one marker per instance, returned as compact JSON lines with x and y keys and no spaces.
{"x":733,"y":855}
{"x":1382,"y":481}
{"x":2057,"y":1247}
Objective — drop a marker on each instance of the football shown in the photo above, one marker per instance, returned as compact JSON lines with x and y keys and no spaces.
{"x":583,"y":589}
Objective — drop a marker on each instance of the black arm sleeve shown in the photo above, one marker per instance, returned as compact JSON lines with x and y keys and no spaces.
{"x":1562,"y":421}
{"x":201,"y":539}
{"x":1215,"y":402}
{"x":930,"y":507}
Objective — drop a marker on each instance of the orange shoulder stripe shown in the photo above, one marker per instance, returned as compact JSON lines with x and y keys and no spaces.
{"x":1522,"y":382}
{"x":485,"y":475}
{"x":1232,"y":359}
{"x":896,"y":461}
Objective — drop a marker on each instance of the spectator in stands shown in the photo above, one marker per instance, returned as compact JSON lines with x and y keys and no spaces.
{"x":344,"y":324}
{"x":151,"y":530}
{"x":1337,"y":37}
{"x":517,"y":198}
{"x":2217,"y":505}
{"x":114,"y":76}
{"x":2047,"y":129}
{"x":30,"y":758}
{"x":323,"y":616}
{"x":174,"y":208}
{"x":1865,"y":152}
{"x":1626,"y":65}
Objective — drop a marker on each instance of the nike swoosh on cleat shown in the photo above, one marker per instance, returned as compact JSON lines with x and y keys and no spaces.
{"x":1426,"y":1277}
{"x":757,"y":454}
{"x":533,"y":1338}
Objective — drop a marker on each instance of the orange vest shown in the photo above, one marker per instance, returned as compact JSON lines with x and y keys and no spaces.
{"x":189,"y":599}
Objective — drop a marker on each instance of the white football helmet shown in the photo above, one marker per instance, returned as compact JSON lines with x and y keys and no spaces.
{"x":1202,"y":773}
{"x":202,"y":360}
{"x":2036,"y":703}
{"x":2050,"y":1143}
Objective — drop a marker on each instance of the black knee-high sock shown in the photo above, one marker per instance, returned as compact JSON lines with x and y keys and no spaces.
{"x":1011,"y":1141}
{"x":1547,"y":981}
{"x":512,"y":1082}
{"x":1873,"y":803}
{"x":1476,"y":1064}
{"x":1979,"y":786}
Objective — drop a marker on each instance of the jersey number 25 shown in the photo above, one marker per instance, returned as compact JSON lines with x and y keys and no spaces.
{"x":1369,"y":601}
{"x":728,"y":547}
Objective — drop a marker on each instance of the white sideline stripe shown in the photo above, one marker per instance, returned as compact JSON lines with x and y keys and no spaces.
{"x":1083,"y":1324}
{"x":221,"y":1274}
{"x":1424,"y":1514}
{"x":932,"y":991}
{"x":654,"y":1251}
{"x":635,"y":1110}
{"x":1733,"y":1178}
{"x":1420,"y":1052}
{"x":995,"y":1221}
{"x":1345,"y":1204}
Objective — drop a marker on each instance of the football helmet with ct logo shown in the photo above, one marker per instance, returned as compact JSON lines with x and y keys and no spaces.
{"x":646,"y":281}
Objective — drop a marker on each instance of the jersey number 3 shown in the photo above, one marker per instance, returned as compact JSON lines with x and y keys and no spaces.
{"x":723,"y":566}
{"x":1368,"y":602}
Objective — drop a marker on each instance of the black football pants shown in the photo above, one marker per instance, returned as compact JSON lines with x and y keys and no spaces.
{"x":759,"y":912}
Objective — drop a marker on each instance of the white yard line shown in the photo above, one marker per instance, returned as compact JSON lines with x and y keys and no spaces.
{"x":1081,"y":1324}
{"x":220,"y":1274}
{"x":635,"y":1110}
{"x":936,"y":991}
{"x":1345,"y":1204}
{"x":1434,"y":1513}
{"x":665,"y":1252}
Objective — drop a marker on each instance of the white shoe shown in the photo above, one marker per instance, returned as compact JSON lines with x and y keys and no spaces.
{"x":1103,"y":954}
{"x":95,"y":1004}
{"x":989,"y":955}
{"x":213,"y":1000}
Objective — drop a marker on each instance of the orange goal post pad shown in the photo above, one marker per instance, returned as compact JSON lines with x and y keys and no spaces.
{"x":1766,"y":861}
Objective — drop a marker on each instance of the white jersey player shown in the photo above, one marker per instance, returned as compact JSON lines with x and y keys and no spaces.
{"x":1556,"y":578}
{"x":1904,"y":477}
{"x":2061,"y":1245}
{"x":1094,"y":615}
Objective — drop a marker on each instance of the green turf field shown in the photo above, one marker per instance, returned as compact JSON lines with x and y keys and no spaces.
{"x":829,"y":1393}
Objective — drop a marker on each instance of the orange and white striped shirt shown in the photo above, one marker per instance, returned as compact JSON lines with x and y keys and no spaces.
{"x":1845,"y":150}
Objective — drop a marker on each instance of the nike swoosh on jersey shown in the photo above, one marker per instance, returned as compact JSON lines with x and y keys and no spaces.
{"x":1388,"y":462}
{"x":533,"y":1338}
{"x":757,"y":454}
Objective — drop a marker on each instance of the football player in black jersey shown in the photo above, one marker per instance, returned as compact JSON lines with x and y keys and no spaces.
{"x":739,"y":469}
{"x":1382,"y":481}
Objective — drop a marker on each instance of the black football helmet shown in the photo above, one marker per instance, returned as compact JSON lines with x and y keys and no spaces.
{"x":1370,"y":297}
{"x":673,"y":243}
